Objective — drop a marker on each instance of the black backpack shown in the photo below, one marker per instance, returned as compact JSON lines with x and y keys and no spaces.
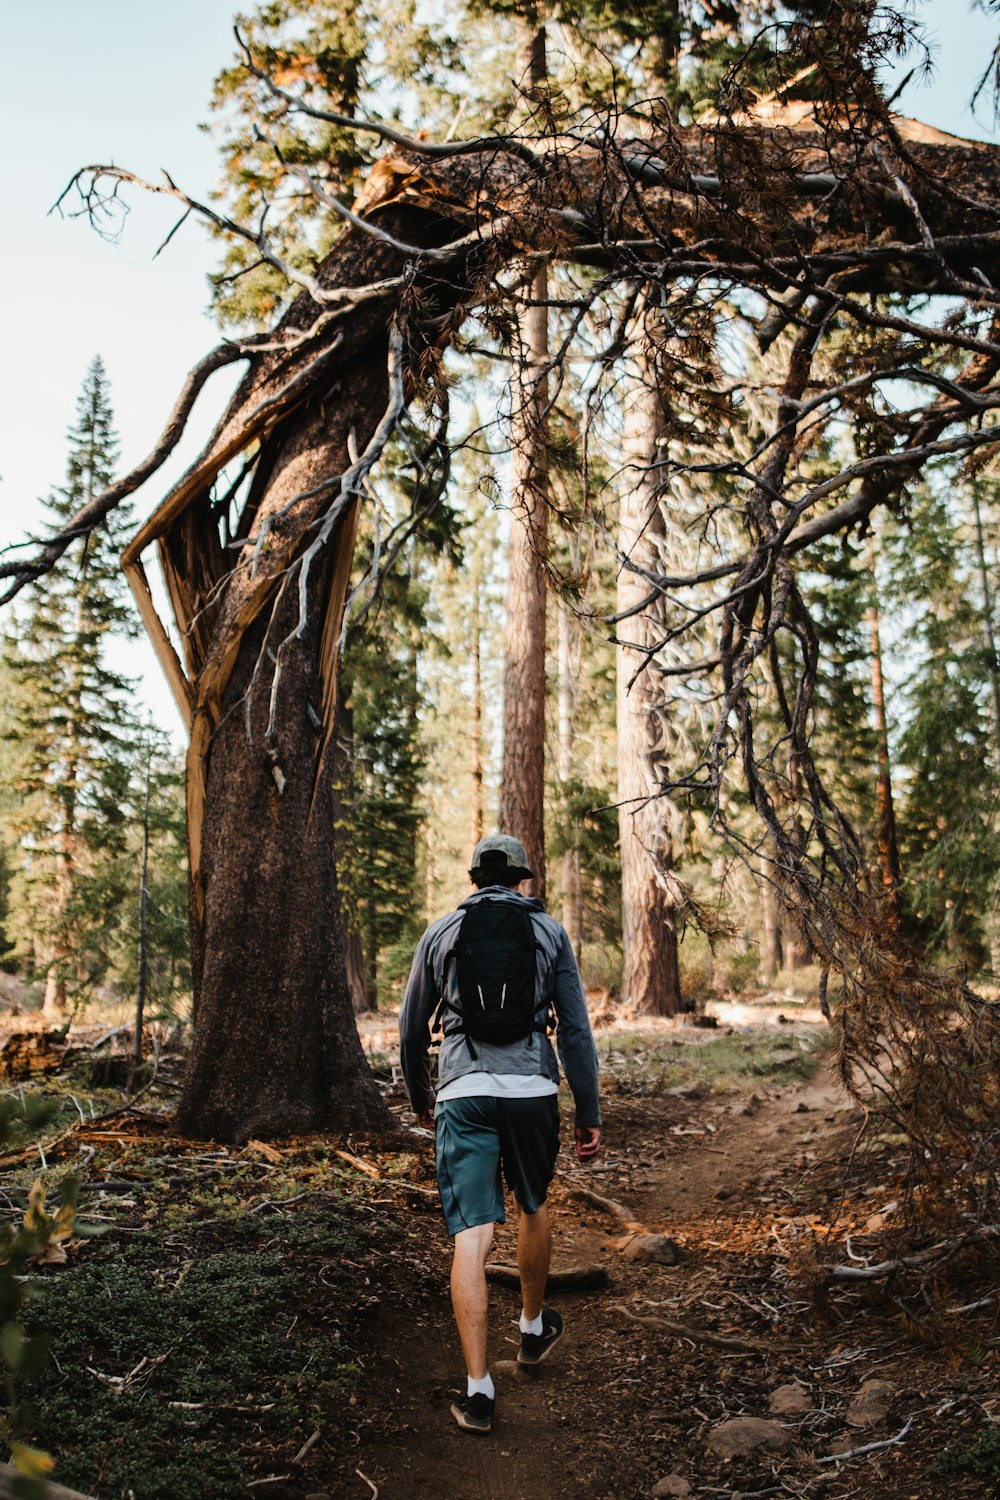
{"x":494,"y":957}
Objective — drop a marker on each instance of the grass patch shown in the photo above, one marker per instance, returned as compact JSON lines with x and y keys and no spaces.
{"x":641,"y":1064}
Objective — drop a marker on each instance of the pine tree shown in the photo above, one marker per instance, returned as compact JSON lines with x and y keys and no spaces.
{"x":462,"y":677}
{"x":947,"y":811}
{"x":158,"y":958}
{"x":71,"y":730}
{"x":381,"y":748}
{"x":339,"y":59}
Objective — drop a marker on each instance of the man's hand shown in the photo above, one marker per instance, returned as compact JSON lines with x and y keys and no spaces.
{"x":588,"y":1141}
{"x":425,"y":1119}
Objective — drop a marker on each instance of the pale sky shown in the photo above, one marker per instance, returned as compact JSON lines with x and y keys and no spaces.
{"x":128,"y":81}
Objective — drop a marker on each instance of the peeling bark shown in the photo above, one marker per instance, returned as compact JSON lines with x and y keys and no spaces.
{"x":276,"y":1050}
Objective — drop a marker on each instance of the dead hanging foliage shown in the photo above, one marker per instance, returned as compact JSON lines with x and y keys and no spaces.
{"x":781,"y":272}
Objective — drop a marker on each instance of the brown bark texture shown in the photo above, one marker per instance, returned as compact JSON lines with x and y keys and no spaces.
{"x":888,"y":844}
{"x":569,"y":670}
{"x":650,"y":973}
{"x":476,"y":747}
{"x":522,"y":778}
{"x":771,"y":954}
{"x":522,"y":787}
{"x":275,"y":1047}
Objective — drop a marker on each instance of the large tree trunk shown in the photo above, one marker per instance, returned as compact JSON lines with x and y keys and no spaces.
{"x":522,"y":788}
{"x":796,"y":947}
{"x":476,"y":747}
{"x":771,"y":954}
{"x":522,"y":784}
{"x":650,"y":973}
{"x":569,"y":671}
{"x":989,"y":631}
{"x":993,"y":669}
{"x":888,"y":844}
{"x":276,"y":1050}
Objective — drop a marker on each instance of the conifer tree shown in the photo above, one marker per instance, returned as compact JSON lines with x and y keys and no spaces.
{"x":462,"y":672}
{"x":947,"y":813}
{"x":71,"y":729}
{"x":148,"y":948}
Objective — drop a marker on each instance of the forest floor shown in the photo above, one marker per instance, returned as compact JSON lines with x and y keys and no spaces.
{"x":274,"y":1320}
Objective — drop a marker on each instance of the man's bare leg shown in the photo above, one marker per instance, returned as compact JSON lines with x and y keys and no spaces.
{"x":469,"y":1295}
{"x":534,"y":1250}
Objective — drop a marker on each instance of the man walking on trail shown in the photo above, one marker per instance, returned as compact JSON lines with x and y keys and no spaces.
{"x":494,"y":975}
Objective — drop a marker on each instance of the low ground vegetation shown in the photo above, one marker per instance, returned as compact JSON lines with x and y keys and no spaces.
{"x":273,"y":1318}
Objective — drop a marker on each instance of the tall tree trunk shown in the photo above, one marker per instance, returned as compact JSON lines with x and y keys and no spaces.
{"x":888,"y":846}
{"x":276,"y":1049}
{"x":142,"y":965}
{"x":569,"y":671}
{"x":522,"y":786}
{"x":650,"y":972}
{"x":650,"y":961}
{"x":56,"y":1003}
{"x":795,"y":943}
{"x":993,"y":669}
{"x":360,"y":982}
{"x":478,"y":778}
{"x":771,"y":955}
{"x":989,"y":629}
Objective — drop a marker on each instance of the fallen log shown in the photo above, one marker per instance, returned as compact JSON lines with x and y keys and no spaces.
{"x":23,"y":1053}
{"x":573,"y":1279}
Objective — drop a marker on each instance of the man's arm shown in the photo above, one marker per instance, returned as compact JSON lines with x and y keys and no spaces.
{"x":419,"y":1003}
{"x":575,"y":1041}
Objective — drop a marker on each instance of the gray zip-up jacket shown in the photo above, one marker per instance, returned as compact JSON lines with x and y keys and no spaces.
{"x":557,"y":982}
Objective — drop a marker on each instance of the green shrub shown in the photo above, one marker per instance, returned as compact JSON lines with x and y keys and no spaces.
{"x":158,"y":1356}
{"x":978,"y":1459}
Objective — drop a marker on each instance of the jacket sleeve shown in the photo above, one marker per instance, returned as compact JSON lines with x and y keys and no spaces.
{"x":419,"y":1004}
{"x":574,"y":1037}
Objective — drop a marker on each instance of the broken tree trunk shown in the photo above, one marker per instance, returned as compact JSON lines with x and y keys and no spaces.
{"x":275,"y":1048}
{"x":275,"y":1043}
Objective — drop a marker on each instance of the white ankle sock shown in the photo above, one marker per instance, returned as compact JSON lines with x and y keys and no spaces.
{"x":483,"y":1387}
{"x":530,"y":1325}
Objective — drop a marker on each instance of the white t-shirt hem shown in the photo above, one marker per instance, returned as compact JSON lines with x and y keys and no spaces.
{"x":477,"y":1085}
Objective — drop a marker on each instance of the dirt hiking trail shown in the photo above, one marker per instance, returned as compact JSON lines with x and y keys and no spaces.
{"x":630,"y":1406}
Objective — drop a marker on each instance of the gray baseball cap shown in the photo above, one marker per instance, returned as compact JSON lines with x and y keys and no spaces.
{"x":505,"y":851}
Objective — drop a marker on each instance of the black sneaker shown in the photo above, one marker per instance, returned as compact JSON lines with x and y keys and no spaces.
{"x":474,"y":1413}
{"x":537,"y":1346}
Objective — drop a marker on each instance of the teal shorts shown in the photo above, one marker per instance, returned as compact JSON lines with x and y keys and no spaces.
{"x":476,"y":1137}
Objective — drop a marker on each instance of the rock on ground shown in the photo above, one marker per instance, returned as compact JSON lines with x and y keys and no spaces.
{"x":653,"y":1249}
{"x":871,"y":1405}
{"x":789,"y":1400}
{"x":742,"y":1435}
